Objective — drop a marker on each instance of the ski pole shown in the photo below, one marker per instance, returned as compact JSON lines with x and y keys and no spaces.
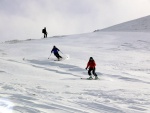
{"x":49,"y":55}
{"x":64,"y":54}
{"x":61,"y":52}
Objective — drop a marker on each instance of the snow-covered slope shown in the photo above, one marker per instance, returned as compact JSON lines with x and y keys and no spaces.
{"x":32,"y":83}
{"x":140,"y":25}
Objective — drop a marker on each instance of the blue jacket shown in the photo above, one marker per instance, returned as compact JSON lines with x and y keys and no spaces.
{"x":55,"y":50}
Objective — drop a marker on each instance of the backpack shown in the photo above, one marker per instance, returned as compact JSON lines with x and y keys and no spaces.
{"x":42,"y":30}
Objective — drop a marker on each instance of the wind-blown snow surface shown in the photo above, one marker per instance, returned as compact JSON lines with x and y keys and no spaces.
{"x":32,"y":83}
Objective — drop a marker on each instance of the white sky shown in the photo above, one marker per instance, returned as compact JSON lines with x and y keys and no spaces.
{"x":25,"y":19}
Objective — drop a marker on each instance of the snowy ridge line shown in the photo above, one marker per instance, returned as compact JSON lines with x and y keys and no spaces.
{"x":136,"y":25}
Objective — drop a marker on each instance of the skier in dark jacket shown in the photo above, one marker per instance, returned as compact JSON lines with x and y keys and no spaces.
{"x":91,"y":66}
{"x":55,"y":50}
{"x":44,"y":32}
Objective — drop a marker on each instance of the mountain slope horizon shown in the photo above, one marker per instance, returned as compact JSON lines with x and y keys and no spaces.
{"x":137,"y":25}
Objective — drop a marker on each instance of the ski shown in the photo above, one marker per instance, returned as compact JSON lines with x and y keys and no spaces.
{"x":89,"y":79}
{"x":60,"y":59}
{"x":86,"y":79}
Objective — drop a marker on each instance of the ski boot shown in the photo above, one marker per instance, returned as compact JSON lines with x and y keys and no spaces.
{"x":96,"y":77}
{"x":90,"y":78}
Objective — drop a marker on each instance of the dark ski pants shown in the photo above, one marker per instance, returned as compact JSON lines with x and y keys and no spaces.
{"x":93,"y":71}
{"x":45,"y":35}
{"x":57,"y":55}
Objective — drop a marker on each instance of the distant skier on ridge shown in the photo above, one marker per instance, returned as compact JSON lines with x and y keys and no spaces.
{"x":91,"y":66}
{"x":44,"y":32}
{"x":55,"y":50}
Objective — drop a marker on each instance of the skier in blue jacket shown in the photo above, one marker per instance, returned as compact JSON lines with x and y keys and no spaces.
{"x":55,"y":50}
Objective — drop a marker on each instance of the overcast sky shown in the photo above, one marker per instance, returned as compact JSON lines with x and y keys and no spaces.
{"x":25,"y":19}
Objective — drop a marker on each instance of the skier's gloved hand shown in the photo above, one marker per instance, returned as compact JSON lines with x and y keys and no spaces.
{"x":86,"y":68}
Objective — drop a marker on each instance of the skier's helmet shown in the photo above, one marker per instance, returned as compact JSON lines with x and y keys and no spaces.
{"x":91,"y":58}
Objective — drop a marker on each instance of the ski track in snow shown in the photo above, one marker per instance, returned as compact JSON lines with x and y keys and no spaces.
{"x":31,"y":84}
